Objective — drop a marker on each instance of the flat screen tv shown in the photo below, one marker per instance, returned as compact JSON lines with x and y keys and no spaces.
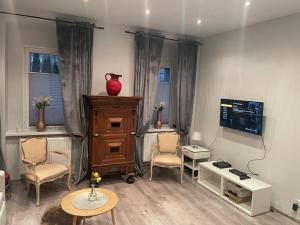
{"x":245,"y":116}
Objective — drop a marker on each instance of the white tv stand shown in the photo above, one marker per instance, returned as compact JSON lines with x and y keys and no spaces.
{"x":215,"y":180}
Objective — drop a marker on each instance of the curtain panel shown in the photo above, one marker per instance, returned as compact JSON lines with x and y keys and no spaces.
{"x":148,"y":52}
{"x":185,"y":86}
{"x":75,"y":44}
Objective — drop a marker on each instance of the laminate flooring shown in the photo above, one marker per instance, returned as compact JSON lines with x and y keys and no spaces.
{"x":164,"y":201}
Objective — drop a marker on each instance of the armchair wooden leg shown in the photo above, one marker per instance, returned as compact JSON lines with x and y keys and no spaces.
{"x":37,"y":189}
{"x":27,"y":188}
{"x":181,"y":174}
{"x":69,"y":178}
{"x":151,"y":167}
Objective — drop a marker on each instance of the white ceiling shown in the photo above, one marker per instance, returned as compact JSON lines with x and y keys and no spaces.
{"x":172,"y":16}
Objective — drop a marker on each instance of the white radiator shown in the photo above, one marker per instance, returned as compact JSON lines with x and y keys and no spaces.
{"x":62,"y":144}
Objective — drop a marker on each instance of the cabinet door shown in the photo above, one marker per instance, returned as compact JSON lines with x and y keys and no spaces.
{"x":112,"y":141}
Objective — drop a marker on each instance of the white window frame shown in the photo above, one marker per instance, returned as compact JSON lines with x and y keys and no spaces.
{"x":27,"y":50}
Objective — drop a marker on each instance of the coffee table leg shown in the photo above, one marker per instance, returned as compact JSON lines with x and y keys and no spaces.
{"x":113,"y":217}
{"x":74,"y":220}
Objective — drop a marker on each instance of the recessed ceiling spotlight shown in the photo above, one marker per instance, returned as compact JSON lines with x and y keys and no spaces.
{"x":199,"y":21}
{"x":247,"y":3}
{"x":147,"y":11}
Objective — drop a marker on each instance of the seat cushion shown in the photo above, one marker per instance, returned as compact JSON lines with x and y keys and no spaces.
{"x":167,"y":160}
{"x":48,"y":171}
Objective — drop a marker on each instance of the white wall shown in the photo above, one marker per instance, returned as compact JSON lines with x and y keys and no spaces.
{"x":2,"y":84}
{"x":22,"y":33}
{"x":258,"y":63}
{"x":113,"y":53}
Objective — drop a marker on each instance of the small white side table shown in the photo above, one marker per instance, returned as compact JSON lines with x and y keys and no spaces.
{"x":195,"y":155}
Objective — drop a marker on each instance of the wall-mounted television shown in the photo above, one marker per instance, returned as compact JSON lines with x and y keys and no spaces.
{"x":245,"y":116}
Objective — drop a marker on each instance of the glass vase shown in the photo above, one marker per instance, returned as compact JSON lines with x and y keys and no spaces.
{"x":93,"y":194}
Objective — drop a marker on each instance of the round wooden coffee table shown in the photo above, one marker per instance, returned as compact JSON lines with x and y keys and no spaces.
{"x":68,"y":207}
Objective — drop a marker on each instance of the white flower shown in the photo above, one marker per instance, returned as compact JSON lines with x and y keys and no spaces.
{"x":41,"y":102}
{"x":160,"y":106}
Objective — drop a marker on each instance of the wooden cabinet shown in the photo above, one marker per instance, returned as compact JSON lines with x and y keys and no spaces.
{"x":112,"y":122}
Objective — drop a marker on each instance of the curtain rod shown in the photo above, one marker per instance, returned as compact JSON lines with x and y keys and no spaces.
{"x":44,"y":18}
{"x":166,"y":38}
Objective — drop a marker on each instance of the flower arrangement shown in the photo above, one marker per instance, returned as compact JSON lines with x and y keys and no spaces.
{"x":42,"y":101}
{"x":96,"y":178}
{"x":160,"y":106}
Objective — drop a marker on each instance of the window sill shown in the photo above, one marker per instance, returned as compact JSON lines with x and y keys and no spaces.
{"x":164,"y":128}
{"x":32,"y":132}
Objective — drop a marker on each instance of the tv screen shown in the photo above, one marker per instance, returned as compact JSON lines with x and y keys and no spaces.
{"x":242,"y":115}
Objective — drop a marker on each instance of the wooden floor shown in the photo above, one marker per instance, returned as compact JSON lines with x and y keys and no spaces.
{"x":163,"y":201}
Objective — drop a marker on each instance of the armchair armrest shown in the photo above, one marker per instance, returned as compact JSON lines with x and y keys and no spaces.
{"x":28,"y":162}
{"x":181,"y":153}
{"x":30,"y":167}
{"x":64,"y":154}
{"x":153,"y":148}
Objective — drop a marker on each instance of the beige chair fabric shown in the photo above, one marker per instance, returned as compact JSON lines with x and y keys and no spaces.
{"x":167,"y":160}
{"x":167,"y":142}
{"x":47,"y":171}
{"x":167,"y":146}
{"x":34,"y":152}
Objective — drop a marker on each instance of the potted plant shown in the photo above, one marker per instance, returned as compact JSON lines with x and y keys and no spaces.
{"x":159,"y":108}
{"x":40,"y":103}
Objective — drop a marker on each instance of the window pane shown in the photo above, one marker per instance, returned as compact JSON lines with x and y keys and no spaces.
{"x":164,"y":74}
{"x":163,"y":94}
{"x":45,"y":83}
{"x":44,"y":63}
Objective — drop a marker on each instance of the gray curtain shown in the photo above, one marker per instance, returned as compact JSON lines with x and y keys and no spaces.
{"x":75,"y":44}
{"x":185,"y":85}
{"x":148,"y":51}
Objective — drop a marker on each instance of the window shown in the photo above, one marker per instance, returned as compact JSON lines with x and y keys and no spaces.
{"x":43,"y":79}
{"x":163,"y":93}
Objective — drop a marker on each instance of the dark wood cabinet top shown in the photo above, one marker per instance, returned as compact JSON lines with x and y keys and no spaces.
{"x":96,"y":100}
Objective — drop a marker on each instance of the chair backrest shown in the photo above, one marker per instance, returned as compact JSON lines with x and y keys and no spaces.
{"x":167,"y":142}
{"x":34,"y":150}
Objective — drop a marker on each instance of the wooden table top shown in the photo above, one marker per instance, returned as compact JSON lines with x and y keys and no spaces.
{"x":68,"y":207}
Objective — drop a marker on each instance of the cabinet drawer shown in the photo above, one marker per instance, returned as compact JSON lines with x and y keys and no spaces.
{"x":112,"y":150}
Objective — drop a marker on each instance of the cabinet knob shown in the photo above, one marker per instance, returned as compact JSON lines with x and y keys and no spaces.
{"x":132,"y":133}
{"x":96,"y":135}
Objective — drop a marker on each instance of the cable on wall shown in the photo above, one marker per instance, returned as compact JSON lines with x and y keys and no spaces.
{"x":217,"y":134}
{"x":259,"y":159}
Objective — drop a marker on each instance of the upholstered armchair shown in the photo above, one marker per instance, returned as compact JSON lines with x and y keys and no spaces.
{"x":34,"y":153}
{"x":164,"y":154}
